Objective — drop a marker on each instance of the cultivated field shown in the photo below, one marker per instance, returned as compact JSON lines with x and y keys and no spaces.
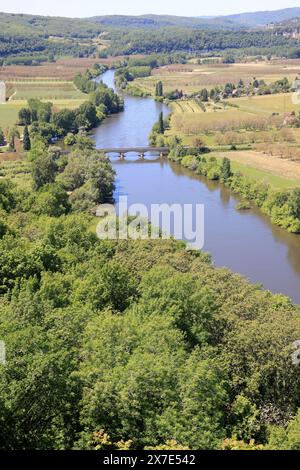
{"x":186,"y":106}
{"x":44,"y":90}
{"x":189,"y":119}
{"x":267,"y":149}
{"x":62,"y":69}
{"x":279,"y":173}
{"x":16,"y":170}
{"x":9,"y":114}
{"x":191,"y":77}
{"x":267,"y":104}
{"x":62,"y":94}
{"x":48,"y":82}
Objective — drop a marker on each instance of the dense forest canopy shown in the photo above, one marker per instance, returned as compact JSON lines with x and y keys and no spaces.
{"x":173,"y":39}
{"x":23,"y":35}
{"x":160,"y":21}
{"x":45,"y":26}
{"x":130,"y":344}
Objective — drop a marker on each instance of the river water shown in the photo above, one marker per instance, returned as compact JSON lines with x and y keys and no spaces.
{"x":246,"y":242}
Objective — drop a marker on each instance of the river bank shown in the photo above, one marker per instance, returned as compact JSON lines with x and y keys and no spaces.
{"x":244,"y":241}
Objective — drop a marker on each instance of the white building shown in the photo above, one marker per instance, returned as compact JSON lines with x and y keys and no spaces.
{"x":2,"y":93}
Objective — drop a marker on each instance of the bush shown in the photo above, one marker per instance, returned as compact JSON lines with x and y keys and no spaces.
{"x":51,"y":200}
{"x":70,"y":139}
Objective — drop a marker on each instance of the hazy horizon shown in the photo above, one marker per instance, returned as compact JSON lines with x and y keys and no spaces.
{"x":190,"y":8}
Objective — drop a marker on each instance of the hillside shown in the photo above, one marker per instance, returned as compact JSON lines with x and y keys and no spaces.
{"x":262,"y":18}
{"x":161,"y":21}
{"x":255,"y":19}
{"x":45,"y":26}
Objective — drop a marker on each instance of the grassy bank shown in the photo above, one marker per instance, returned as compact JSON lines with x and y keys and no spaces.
{"x":277,"y":197}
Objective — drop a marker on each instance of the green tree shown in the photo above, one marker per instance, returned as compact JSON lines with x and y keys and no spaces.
{"x":44,"y":170}
{"x":286,"y":438}
{"x":161,"y":124}
{"x":159,"y":89}
{"x":13,"y":134}
{"x":65,"y":120}
{"x":7,"y":194}
{"x":91,"y":178}
{"x":24,"y":116}
{"x":2,"y":137}
{"x":51,"y":200}
{"x":204,"y":95}
{"x":26,"y":140}
{"x":86,"y":115}
{"x":225,"y":171}
{"x":196,"y":416}
{"x":294,"y":202}
{"x":245,"y":421}
{"x":70,"y":139}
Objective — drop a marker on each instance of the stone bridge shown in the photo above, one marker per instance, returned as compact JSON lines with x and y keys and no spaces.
{"x":141,"y":151}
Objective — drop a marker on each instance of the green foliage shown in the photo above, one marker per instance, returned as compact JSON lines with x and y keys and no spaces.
{"x":204,"y":95}
{"x":2,"y":137}
{"x":246,"y":424}
{"x":90,"y":177}
{"x":283,"y":207}
{"x":167,"y":40}
{"x":161,"y":125}
{"x":7,"y":195}
{"x":39,"y":110}
{"x":70,"y":139}
{"x":225,"y":172}
{"x":159,"y":89}
{"x":25,"y":116}
{"x":44,"y":170}
{"x":50,"y":200}
{"x":286,"y":438}
{"x":26,"y":140}
{"x":134,"y":338}
{"x":65,"y":120}
{"x":86,"y":116}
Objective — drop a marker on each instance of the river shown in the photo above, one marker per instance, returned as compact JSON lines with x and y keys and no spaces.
{"x":246,"y":242}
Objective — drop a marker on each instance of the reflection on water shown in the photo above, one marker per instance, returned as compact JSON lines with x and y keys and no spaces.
{"x":244,"y":241}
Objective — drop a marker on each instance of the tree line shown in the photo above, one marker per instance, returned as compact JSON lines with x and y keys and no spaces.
{"x":115,"y":344}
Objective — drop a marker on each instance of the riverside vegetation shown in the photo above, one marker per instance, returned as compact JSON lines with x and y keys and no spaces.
{"x":282,"y":206}
{"x":120,"y":344}
{"x":128,"y":344}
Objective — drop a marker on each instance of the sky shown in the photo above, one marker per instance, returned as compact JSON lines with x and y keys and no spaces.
{"x":86,"y":8}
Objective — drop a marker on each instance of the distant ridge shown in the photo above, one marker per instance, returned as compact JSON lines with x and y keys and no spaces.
{"x":159,"y":21}
{"x":87,"y":27}
{"x":240,"y":20}
{"x":262,"y":18}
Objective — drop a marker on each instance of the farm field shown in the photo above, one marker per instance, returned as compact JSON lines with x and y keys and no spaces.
{"x":16,"y":170}
{"x":279,"y":173}
{"x":44,"y":90}
{"x":191,"y":77}
{"x":188,"y":118}
{"x":63,"y":69}
{"x":233,"y":119}
{"x":267,"y":104}
{"x":186,"y":106}
{"x":63,"y":94}
{"x":9,"y":114}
